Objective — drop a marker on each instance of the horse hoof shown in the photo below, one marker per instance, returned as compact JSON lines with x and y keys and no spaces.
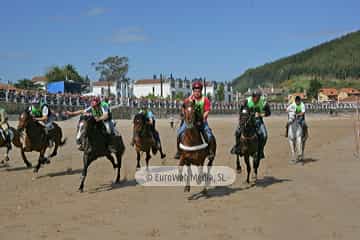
{"x":7,"y":159}
{"x":187,"y":189}
{"x":238,"y":170}
{"x":163,"y":156}
{"x":29,"y":165}
{"x":81,"y":190}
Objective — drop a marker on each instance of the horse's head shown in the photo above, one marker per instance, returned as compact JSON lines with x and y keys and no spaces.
{"x":24,"y":119}
{"x":85,"y":124}
{"x":292,"y":116}
{"x":139,"y":122}
{"x":246,"y":119}
{"x":189,"y":112}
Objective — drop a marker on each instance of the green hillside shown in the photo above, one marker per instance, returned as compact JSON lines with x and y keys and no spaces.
{"x":336,"y":62}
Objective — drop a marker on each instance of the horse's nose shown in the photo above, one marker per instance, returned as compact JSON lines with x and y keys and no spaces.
{"x":78,"y":141}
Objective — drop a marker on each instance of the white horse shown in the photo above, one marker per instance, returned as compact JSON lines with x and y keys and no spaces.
{"x":296,"y":138}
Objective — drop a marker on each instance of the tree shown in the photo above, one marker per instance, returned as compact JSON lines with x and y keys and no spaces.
{"x":27,"y":84}
{"x":112,"y":68}
{"x":67,"y":72}
{"x":220,"y":93}
{"x":314,"y":88}
{"x":55,"y":74}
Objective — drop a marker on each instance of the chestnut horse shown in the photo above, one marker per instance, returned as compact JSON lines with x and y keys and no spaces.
{"x":143,"y":139}
{"x":194,"y":149}
{"x":36,"y":139}
{"x":16,"y":141}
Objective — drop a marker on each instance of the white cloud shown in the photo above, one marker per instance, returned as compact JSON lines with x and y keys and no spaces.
{"x":96,"y":11}
{"x":128,"y":35}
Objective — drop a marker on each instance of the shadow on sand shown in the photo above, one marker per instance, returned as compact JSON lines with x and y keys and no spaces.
{"x":14,"y":169}
{"x":226,"y":190}
{"x":112,"y":186}
{"x":62,"y":173}
{"x":269,"y":180}
{"x":309,"y":160}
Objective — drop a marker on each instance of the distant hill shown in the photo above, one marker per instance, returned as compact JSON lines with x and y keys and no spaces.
{"x":330,"y":62}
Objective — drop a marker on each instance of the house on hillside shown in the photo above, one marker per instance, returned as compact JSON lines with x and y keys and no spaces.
{"x":327,"y":95}
{"x":40,"y":80}
{"x":344,"y":93}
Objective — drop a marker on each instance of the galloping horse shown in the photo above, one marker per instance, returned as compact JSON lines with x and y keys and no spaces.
{"x":193,"y":149}
{"x":98,"y":144}
{"x":249,"y":143}
{"x":36,"y":139}
{"x":143,"y":139}
{"x":16,"y":141}
{"x":297,"y":138}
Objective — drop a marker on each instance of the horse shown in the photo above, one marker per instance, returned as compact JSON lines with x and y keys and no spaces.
{"x":36,"y":139}
{"x":194,"y":150}
{"x":15,"y":137}
{"x":144,"y":140}
{"x":297,"y":138}
{"x":249,"y":143}
{"x":97,"y":143}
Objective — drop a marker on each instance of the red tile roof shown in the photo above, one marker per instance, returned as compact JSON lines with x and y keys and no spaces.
{"x":351,"y":99}
{"x":103,"y":83}
{"x":329,"y":91}
{"x":147,"y":81}
{"x":39,"y":79}
{"x":349,"y":90}
{"x":7,"y":86}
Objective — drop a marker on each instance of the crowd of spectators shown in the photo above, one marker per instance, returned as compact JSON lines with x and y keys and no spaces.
{"x":66,"y":99}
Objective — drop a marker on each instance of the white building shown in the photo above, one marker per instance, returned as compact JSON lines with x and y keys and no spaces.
{"x":161,"y":88}
{"x":40,"y":80}
{"x":119,"y":89}
{"x":172,"y":87}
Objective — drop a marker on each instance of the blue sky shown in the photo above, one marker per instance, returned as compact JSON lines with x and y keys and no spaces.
{"x":215,"y":39}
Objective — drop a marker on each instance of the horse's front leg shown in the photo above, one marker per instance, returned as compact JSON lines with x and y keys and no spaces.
{"x":238,"y":165}
{"x":292,"y":149}
{"x":299,"y":148}
{"x":248,"y":167}
{"x":119,"y":161}
{"x":138,"y":160}
{"x":41,"y":160}
{"x":147,"y":159}
{"x":86,"y":162}
{"x":24,"y":158}
{"x":188,"y":178}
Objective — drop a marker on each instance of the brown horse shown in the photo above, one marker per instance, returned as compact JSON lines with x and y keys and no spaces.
{"x":193,"y":149}
{"x":249,"y":143}
{"x":143,"y":139}
{"x":36,"y":138}
{"x":16,"y":141}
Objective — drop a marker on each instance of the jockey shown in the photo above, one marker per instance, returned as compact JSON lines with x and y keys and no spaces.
{"x":40,"y":111}
{"x":4,"y":127}
{"x":256,"y":103}
{"x":202,"y":110}
{"x":100,"y":110}
{"x":299,"y":108}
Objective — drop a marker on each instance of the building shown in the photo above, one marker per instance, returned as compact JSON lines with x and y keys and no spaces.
{"x":167,"y":88}
{"x":119,"y":89}
{"x":40,"y":80}
{"x":327,"y":95}
{"x":344,"y":93}
{"x":178,"y":88}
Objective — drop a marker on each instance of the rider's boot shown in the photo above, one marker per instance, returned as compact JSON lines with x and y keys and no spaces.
{"x":177,"y":155}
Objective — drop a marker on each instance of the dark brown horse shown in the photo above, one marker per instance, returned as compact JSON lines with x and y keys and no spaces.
{"x":36,"y":139}
{"x":97,"y":143}
{"x":248,"y":142}
{"x":15,"y":140}
{"x":143,"y":139}
{"x":193,"y":149}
